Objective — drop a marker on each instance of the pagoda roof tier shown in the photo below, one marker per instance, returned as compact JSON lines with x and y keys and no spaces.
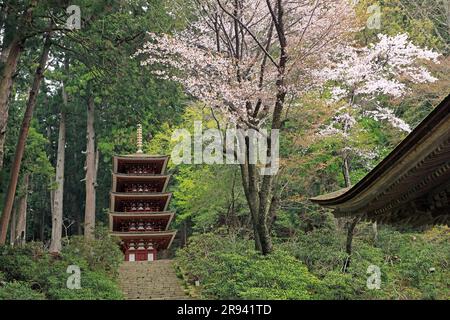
{"x":141,"y":213}
{"x":161,"y":199}
{"x":119,"y":179}
{"x":139,"y":158}
{"x":160,"y":239}
{"x":411,"y":186}
{"x":166,"y":216}
{"x":142,"y":156}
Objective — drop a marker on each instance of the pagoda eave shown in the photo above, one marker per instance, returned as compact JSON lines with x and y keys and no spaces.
{"x":162,"y":180}
{"x":162,"y":196}
{"x":167,"y":216}
{"x":138,"y":158}
{"x":165,"y":237}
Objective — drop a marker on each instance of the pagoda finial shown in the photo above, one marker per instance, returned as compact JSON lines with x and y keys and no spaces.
{"x":139,"y":138}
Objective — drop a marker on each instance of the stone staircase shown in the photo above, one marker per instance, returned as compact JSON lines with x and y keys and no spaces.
{"x":153,"y":280}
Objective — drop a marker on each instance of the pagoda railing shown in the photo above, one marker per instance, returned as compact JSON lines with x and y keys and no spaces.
{"x":139,"y":206}
{"x":140,"y":226}
{"x":140,"y":188}
{"x":140,"y":169}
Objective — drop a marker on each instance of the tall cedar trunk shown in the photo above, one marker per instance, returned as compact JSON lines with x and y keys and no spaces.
{"x":11,"y":55}
{"x":12,"y":227}
{"x":22,"y":205}
{"x":58,"y":200}
{"x":20,"y":148}
{"x":9,"y":69}
{"x":89,"y":213}
{"x":42,"y":226}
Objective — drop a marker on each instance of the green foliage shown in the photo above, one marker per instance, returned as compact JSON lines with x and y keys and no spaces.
{"x":309,"y":266}
{"x":101,"y":254}
{"x":19,"y":291}
{"x":199,"y":197}
{"x":320,"y":249}
{"x":228,"y":268}
{"x":30,"y":272}
{"x":278,"y":276}
{"x":336,"y":285}
{"x":418,"y":262}
{"x":413,"y":265}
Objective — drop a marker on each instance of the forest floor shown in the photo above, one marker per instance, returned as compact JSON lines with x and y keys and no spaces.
{"x":155,"y":280}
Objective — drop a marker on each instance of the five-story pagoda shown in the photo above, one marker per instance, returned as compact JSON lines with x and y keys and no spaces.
{"x":139,"y":201}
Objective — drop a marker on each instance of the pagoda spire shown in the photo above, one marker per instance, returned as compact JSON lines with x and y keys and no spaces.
{"x":139,"y":138}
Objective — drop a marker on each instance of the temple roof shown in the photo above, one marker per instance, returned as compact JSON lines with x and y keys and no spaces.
{"x":161,"y":160}
{"x":411,"y":185}
{"x":141,"y":156}
{"x":162,"y":239}
{"x":166,"y":215}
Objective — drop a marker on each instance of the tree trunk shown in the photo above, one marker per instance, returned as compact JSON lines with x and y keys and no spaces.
{"x":375,"y":231}
{"x":12,"y":227}
{"x":264,"y":234}
{"x":348,"y":245}
{"x":58,"y":199}
{"x":259,"y":191}
{"x":22,"y":205}
{"x":351,"y":224}
{"x":14,"y":51}
{"x":89,"y":213}
{"x":15,"y":168}
{"x":8,"y":65}
{"x":42,"y":227}
{"x":346,"y":172}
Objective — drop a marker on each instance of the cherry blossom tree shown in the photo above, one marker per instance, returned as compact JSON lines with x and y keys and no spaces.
{"x":360,"y":75}
{"x":248,"y":59}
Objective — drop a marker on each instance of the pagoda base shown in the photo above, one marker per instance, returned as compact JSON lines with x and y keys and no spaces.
{"x":140,"y":255}
{"x":144,"y":246}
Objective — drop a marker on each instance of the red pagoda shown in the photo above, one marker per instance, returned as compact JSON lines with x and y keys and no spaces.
{"x":139,"y":201}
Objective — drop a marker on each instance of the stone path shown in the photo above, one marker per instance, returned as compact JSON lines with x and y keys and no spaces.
{"x":154,"y":280}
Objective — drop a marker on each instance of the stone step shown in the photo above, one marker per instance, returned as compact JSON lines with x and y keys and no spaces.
{"x":150,"y":280}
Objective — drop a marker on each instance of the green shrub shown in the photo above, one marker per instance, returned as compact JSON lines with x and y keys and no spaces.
{"x":321,"y":250}
{"x":228,"y":268}
{"x":100,"y":254}
{"x":418,"y":263}
{"x":18,"y":290}
{"x":413,"y":265}
{"x":277,"y":276}
{"x":336,"y":285}
{"x":94,"y":286}
{"x":30,"y":271}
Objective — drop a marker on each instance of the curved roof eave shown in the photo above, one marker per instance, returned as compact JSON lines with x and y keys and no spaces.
{"x":423,"y":133}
